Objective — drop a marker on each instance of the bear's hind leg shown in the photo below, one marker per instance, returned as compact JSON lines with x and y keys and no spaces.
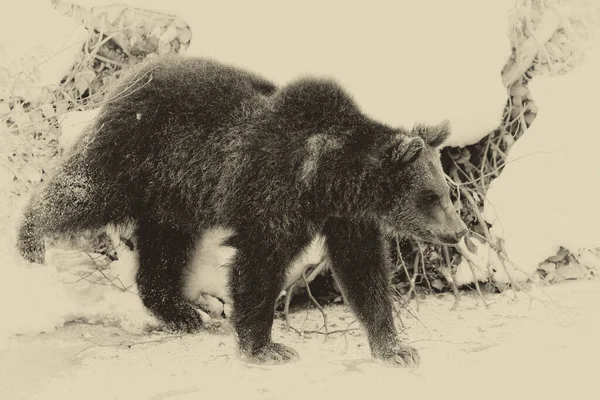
{"x":75,"y":200}
{"x":358,"y":257}
{"x":164,"y":252}
{"x":257,"y":277}
{"x":30,"y":239}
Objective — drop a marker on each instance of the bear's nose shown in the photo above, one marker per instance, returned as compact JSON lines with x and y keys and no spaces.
{"x":459,"y":234}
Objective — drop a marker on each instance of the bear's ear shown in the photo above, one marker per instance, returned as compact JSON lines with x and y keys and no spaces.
{"x":407,"y":150}
{"x":435,"y":135}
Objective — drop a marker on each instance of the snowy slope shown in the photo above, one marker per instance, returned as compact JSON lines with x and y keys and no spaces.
{"x":547,"y":196}
{"x":404,"y":62}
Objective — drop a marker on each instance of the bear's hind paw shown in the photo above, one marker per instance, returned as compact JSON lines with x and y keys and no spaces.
{"x":272,"y":354}
{"x":401,"y":355}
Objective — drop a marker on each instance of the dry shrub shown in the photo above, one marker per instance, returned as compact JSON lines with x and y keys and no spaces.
{"x":548,"y":37}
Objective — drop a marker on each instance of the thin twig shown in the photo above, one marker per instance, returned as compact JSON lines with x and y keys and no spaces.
{"x":301,"y":333}
{"x":292,"y":287}
{"x":472,"y":267}
{"x":315,"y":302}
{"x":449,"y":276}
{"x":484,"y":158}
{"x":412,"y":284}
{"x":123,"y":343}
{"x":423,"y":269}
{"x":408,"y":308}
{"x":286,"y":305}
{"x":109,"y":61}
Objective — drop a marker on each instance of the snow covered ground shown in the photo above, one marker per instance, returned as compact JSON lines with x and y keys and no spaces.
{"x":540,"y":346}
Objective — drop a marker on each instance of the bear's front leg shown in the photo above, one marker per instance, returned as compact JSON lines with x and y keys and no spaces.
{"x":257,"y":277}
{"x":164,"y":253}
{"x":359,"y":261}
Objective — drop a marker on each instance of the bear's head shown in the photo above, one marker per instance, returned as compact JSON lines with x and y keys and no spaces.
{"x":359,"y":167}
{"x":416,"y":198}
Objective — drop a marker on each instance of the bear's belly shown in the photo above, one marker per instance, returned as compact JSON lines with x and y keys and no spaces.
{"x":209,"y":268}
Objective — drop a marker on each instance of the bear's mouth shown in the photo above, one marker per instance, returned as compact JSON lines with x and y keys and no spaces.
{"x":452,"y":242}
{"x":431,"y":237}
{"x":422,"y":234}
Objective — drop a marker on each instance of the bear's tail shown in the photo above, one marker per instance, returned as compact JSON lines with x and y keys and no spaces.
{"x":75,"y":200}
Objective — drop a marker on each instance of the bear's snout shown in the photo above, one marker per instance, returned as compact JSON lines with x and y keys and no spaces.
{"x":454,"y":232}
{"x":455,"y":237}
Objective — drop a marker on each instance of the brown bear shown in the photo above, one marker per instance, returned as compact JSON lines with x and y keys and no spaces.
{"x":185,"y":144}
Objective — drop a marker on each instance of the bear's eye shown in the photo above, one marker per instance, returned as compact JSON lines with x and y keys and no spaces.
{"x":431,"y":198}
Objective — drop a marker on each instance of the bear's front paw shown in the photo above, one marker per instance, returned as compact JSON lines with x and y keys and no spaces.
{"x":182,"y":318}
{"x":400,"y":355}
{"x":271,"y":354}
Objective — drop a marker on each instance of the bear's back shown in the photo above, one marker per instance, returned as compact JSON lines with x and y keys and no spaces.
{"x":162,"y":118}
{"x":175,"y":95}
{"x":170,"y":107}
